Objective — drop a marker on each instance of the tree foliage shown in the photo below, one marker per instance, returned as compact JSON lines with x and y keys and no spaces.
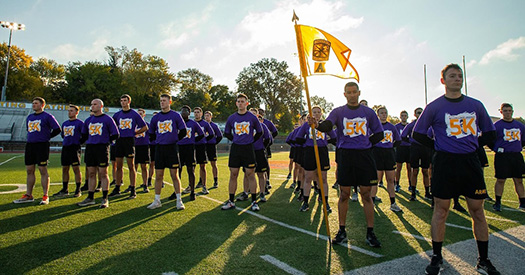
{"x":321,"y":102}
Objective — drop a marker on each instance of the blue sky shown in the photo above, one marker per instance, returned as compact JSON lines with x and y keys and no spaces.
{"x":390,"y":40}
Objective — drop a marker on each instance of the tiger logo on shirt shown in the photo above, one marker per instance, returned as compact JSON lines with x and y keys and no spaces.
{"x":388,"y":137}
{"x":125,"y":123}
{"x":511,"y":135}
{"x":165,"y":126}
{"x":34,"y":126}
{"x":95,"y":129}
{"x":69,"y":131}
{"x":242,"y":128}
{"x":355,"y":127}
{"x":461,"y":125}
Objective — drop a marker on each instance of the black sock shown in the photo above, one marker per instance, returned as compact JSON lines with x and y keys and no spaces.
{"x":232,"y":197}
{"x":498,"y":199}
{"x":132,"y":189}
{"x":483,"y":249}
{"x":91,"y":195}
{"x":215,"y":180}
{"x":149,"y":180}
{"x":436,"y":248}
{"x":305,"y":199}
{"x":104,"y":194}
{"x":522,"y":201}
{"x":392,"y":200}
{"x":369,"y":230}
{"x":86,"y":183}
{"x":355,"y":189}
{"x":117,"y":187}
{"x":326,"y":199}
{"x":413,"y":191}
{"x":254,"y":197}
{"x":342,"y":228}
{"x":65,"y":186}
{"x":298,"y":184}
{"x":315,"y":184}
{"x":302,"y":192}
{"x":78,"y":185}
{"x":427,"y":190}
{"x":373,"y":198}
{"x":99,"y":184}
{"x":456,"y":201}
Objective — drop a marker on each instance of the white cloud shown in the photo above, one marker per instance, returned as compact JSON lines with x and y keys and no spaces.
{"x":504,"y":51}
{"x":70,"y":52}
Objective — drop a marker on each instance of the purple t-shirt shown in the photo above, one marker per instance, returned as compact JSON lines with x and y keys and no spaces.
{"x":242,"y":127}
{"x":456,"y":123}
{"x":305,"y":132}
{"x":166,"y":127}
{"x":354,"y":126}
{"x":206,"y":129}
{"x":217,"y":133}
{"x":391,"y":136}
{"x":192,"y":130}
{"x":99,"y":129}
{"x":271,"y":127}
{"x":127,"y":122}
{"x":400,"y":126}
{"x":407,"y":132}
{"x":40,"y":126}
{"x":289,"y":138}
{"x":259,"y":144}
{"x":142,"y":138}
{"x":71,"y":132}
{"x":509,"y":136}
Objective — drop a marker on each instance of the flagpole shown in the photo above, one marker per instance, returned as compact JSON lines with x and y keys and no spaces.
{"x":312,"y":129}
{"x":425,"y":72}
{"x":465,"y":75}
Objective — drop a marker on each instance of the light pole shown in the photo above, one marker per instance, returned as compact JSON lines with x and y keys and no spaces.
{"x":11,"y":26}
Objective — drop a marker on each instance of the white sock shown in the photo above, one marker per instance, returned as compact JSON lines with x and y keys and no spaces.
{"x":157,"y":197}
{"x":178,"y":196}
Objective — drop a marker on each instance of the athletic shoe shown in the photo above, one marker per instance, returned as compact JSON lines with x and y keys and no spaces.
{"x":459,"y":208}
{"x":292,"y":186}
{"x":104,"y":204}
{"x":228,"y":205}
{"x":394,"y":207}
{"x":242,"y":197}
{"x":172,"y":196}
{"x":398,"y":188}
{"x":410,"y":189}
{"x":486,"y":267}
{"x":205,"y":191}
{"x":412,"y":198}
{"x":262,"y":198}
{"x":199,"y":184}
{"x":304,"y":207}
{"x":132,"y":196}
{"x":180,"y":205}
{"x":99,"y":187}
{"x":113,"y":182}
{"x":435,"y":266}
{"x":266,"y":191}
{"x":380,"y":184}
{"x":255,"y":206}
{"x":428,"y":196}
{"x":372,"y":240}
{"x":521,"y":207}
{"x":268,"y":185}
{"x":145,"y":189}
{"x":77,"y":194}
{"x":336,"y":185}
{"x":297,"y":189}
{"x":84,"y":187}
{"x":317,"y":190}
{"x":127,"y":189}
{"x":339,"y":237}
{"x":289,"y":176}
{"x":215,"y":185}
{"x":354,"y":197}
{"x":328,"y":209}
{"x":25,"y":198}
{"x":86,"y":202}
{"x":163,"y":184}
{"x":187,"y":190}
{"x":154,"y":204}
{"x":497,"y":207}
{"x":300,"y":198}
{"x":378,"y":200}
{"x":192,"y":196}
{"x":45,"y":200}
{"x":115,"y":192}
{"x":61,"y":194}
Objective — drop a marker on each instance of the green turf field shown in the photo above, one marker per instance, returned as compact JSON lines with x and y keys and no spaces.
{"x":127,"y":238}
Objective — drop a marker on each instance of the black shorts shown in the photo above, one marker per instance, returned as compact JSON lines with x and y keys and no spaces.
{"x":166,"y":156}
{"x":187,"y":155}
{"x":97,"y":155}
{"x":457,"y":174}
{"x":420,"y":156}
{"x":298,"y":156}
{"x":403,"y":154}
{"x":125,"y":147}
{"x":356,"y":167}
{"x":482,"y":155}
{"x":509,"y":165}
{"x":200,"y":154}
{"x":261,"y":161}
{"x":268,"y":152}
{"x":152,"y":152}
{"x":70,"y":155}
{"x":211,"y":152}
{"x":241,"y":155}
{"x":142,"y":154}
{"x":309,"y":163}
{"x":384,"y":158}
{"x":292,"y":152}
{"x":112,"y":152}
{"x":37,"y":153}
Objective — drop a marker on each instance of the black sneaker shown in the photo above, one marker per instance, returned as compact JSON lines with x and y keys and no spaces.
{"x":459,"y":208}
{"x":61,"y":194}
{"x":497,"y":207}
{"x":242,"y":197}
{"x":297,"y":189}
{"x":412,"y":198}
{"x":336,"y":185}
{"x":192,"y":197}
{"x":268,"y":185}
{"x":132,"y":196}
{"x":289,"y":176}
{"x":428,"y":196}
{"x":300,"y":198}
{"x":486,"y":267}
{"x":99,"y":187}
{"x":145,"y":189}
{"x":84,"y":187}
{"x":328,"y":209}
{"x":115,"y":192}
{"x":215,"y":185}
{"x":372,"y":240}
{"x":172,"y":196}
{"x":292,"y":186}
{"x":78,"y":193}
{"x":435,"y":266}
{"x":305,"y":207}
{"x":127,"y":189}
{"x":339,"y":237}
{"x":113,"y":182}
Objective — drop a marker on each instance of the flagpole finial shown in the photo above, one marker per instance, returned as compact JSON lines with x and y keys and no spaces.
{"x":295,"y":18}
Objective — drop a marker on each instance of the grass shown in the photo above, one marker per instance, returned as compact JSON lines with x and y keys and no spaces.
{"x":127,"y":238}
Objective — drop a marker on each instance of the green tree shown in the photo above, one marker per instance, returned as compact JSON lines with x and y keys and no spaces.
{"x":223,"y":102}
{"x":194,"y":89}
{"x":23,"y":82}
{"x":321,"y":102}
{"x":52,"y":76}
{"x":269,"y":83}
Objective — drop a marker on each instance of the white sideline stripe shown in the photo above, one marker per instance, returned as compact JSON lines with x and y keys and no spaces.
{"x":4,"y":162}
{"x":413,"y":236}
{"x":169,"y":273}
{"x":323,"y":237}
{"x":459,"y":226}
{"x":513,"y":209}
{"x":285,"y":267}
{"x":500,"y":219}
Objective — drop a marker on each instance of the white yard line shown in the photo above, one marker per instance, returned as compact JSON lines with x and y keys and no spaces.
{"x":316,"y":235}
{"x":283,"y":266}
{"x":4,"y":162}
{"x":512,"y":209}
{"x":500,"y":219}
{"x":419,"y":237}
{"x":459,"y":226}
